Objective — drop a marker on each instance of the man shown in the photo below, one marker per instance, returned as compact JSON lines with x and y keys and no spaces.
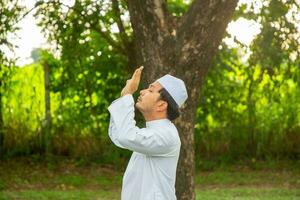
{"x":151,"y":171}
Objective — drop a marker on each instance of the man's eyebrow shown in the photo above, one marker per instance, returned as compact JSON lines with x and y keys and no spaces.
{"x":151,"y":85}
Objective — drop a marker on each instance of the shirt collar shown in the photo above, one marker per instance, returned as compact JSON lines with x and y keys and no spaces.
{"x":157,"y":122}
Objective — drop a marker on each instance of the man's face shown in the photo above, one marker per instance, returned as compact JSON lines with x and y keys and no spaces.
{"x":148,"y":101}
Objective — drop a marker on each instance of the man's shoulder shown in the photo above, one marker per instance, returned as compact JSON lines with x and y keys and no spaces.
{"x":169,"y":134}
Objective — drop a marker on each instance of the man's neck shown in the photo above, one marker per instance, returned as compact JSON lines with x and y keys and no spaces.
{"x":154,"y":117}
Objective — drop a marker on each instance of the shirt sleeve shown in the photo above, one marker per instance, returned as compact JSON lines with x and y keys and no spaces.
{"x":113,"y":134}
{"x":125,"y":134}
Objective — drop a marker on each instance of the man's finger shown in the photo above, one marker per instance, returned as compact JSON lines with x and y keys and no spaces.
{"x":138,"y":72}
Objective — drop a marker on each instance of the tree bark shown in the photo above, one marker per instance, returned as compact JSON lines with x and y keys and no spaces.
{"x":1,"y":120}
{"x":184,"y":49}
{"x":47,"y":119}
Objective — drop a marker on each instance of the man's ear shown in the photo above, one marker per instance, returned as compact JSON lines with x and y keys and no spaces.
{"x":162,"y":105}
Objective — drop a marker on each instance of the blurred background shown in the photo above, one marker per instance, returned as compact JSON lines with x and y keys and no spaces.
{"x":62,"y":65}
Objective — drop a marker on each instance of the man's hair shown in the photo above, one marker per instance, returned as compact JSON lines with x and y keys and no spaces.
{"x":172,"y":109}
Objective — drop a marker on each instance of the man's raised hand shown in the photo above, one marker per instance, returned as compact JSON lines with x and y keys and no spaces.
{"x":133,"y":83}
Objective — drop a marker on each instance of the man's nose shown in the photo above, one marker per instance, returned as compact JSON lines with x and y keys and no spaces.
{"x":142,"y":92}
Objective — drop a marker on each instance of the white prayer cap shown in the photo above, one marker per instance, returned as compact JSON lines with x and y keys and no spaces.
{"x":175,"y":87}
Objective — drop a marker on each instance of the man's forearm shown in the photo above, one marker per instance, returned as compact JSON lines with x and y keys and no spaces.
{"x":123,"y":93}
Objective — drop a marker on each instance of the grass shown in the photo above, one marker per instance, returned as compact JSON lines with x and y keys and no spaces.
{"x":60,"y":195}
{"x":248,"y":194}
{"x":27,"y":180}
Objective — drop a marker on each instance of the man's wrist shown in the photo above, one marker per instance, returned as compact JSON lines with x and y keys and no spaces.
{"x":125,"y":93}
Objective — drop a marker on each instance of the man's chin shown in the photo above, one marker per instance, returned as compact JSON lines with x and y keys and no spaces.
{"x":137,"y":105}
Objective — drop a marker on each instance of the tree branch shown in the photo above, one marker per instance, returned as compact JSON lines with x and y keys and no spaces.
{"x":37,"y":4}
{"x":203,"y":27}
{"x":117,"y":13}
{"x":109,"y":39}
{"x":96,"y":27}
{"x":149,"y":19}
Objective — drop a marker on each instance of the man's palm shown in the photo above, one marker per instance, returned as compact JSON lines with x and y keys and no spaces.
{"x":133,"y":84}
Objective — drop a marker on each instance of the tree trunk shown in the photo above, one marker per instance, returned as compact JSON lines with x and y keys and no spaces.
{"x":1,"y":120}
{"x":184,"y":49}
{"x":251,"y":114}
{"x":47,"y":119}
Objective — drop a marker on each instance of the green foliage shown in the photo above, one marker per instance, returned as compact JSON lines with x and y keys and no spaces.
{"x":247,"y":112}
{"x":250,"y":108}
{"x":178,"y":7}
{"x":277,"y":43}
{"x":90,"y":71}
{"x":9,"y":15}
{"x":23,"y":108}
{"x":25,"y":86}
{"x":73,"y":130}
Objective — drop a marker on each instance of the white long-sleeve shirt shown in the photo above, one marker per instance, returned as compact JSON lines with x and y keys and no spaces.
{"x":151,"y":171}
